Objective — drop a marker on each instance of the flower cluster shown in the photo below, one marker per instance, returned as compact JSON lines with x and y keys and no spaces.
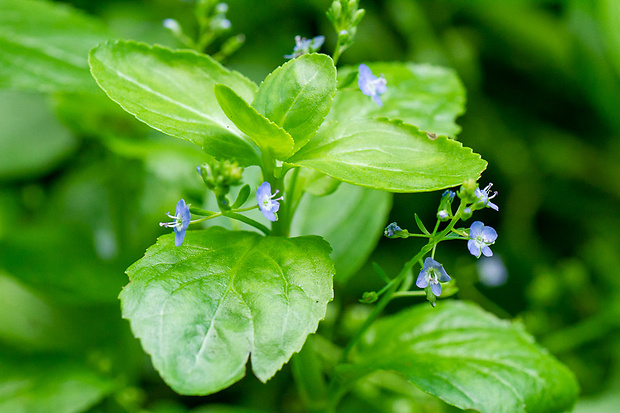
{"x":479,"y":236}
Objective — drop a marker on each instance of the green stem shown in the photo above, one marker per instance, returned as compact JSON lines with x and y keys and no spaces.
{"x":409,"y":294}
{"x":245,"y":209}
{"x":383,"y":302}
{"x":337,"y":53}
{"x":248,"y":221}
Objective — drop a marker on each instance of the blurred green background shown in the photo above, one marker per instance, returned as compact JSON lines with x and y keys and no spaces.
{"x":83,"y":186}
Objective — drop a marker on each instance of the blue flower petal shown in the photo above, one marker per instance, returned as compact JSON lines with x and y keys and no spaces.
{"x":473,"y":247}
{"x":436,"y":289}
{"x":475,"y":229}
{"x":489,"y":234}
{"x":487,"y":251}
{"x":422,"y":281}
{"x":443,"y":275}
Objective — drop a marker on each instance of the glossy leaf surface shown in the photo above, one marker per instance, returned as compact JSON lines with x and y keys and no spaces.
{"x":202,"y":308}
{"x":298,"y":95}
{"x":426,"y":96}
{"x":268,"y":136}
{"x":175,"y":95}
{"x":468,"y":358}
{"x":388,"y":155}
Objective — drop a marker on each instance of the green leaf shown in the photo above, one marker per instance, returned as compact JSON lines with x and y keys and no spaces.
{"x":298,"y":95}
{"x":267,"y":135}
{"x":24,"y":150}
{"x":429,"y":97}
{"x":41,"y":384}
{"x":172,"y":91}
{"x":468,"y":358}
{"x":44,"y":46}
{"x":201,"y":308}
{"x":388,"y":155}
{"x":337,"y":218}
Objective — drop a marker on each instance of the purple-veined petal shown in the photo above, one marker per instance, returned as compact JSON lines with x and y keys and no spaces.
{"x":436,"y":289}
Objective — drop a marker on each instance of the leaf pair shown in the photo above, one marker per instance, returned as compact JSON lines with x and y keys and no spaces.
{"x":294,"y":100}
{"x":191,"y":96}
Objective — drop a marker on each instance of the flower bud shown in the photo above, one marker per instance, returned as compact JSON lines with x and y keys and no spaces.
{"x":369,"y":297}
{"x":467,"y":191}
{"x":357,"y":18}
{"x":336,"y":9}
{"x":352,"y":5}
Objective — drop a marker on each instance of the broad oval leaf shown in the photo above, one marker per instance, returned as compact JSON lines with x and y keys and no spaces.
{"x":267,"y":135}
{"x":298,"y":95}
{"x":429,"y":97}
{"x":351,"y":219}
{"x":44,"y":46}
{"x":388,"y":155}
{"x":468,"y":358}
{"x":202,"y":308}
{"x":172,"y":91}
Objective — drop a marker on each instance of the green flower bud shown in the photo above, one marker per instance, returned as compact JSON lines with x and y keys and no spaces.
{"x":467,"y":192}
{"x":336,"y":9}
{"x":357,"y":18}
{"x":369,"y":297}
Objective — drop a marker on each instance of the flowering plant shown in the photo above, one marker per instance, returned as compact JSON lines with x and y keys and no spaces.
{"x":289,"y":168}
{"x":310,"y":132}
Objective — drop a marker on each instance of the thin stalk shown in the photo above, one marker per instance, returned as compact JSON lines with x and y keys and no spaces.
{"x":383,"y":302}
{"x":248,"y":221}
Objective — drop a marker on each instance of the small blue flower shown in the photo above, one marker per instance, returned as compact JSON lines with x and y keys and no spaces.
{"x":304,"y":46}
{"x":181,"y":221}
{"x":266,"y":202}
{"x":484,"y":200}
{"x":371,"y":85}
{"x":480,"y":237}
{"x":391,"y":229}
{"x":432,"y":273}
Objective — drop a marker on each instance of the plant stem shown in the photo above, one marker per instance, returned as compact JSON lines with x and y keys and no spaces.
{"x":248,"y":221}
{"x":383,"y":302}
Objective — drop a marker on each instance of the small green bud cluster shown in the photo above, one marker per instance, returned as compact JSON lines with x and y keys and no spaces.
{"x":219,"y":177}
{"x":345,"y":16}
